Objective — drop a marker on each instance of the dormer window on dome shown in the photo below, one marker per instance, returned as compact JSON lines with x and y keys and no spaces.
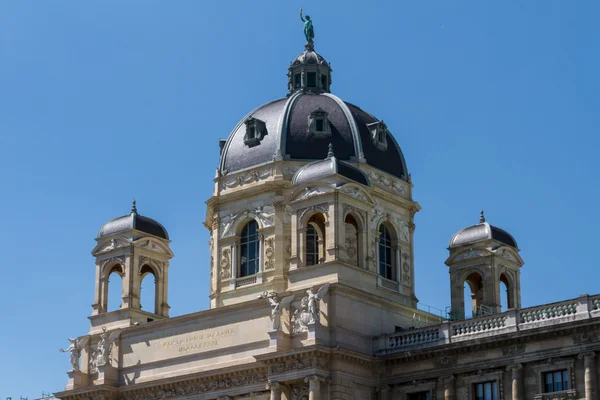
{"x":379,"y":134}
{"x":255,"y":131}
{"x":318,"y":124}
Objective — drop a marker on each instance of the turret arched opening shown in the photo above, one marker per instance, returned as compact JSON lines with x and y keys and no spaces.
{"x":148,"y":289}
{"x":473,"y":294}
{"x":114,"y":288}
{"x":315,"y":240}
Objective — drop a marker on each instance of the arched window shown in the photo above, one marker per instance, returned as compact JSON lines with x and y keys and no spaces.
{"x":249,"y":249}
{"x":148,"y":290}
{"x":315,"y":240}
{"x":115,"y":289}
{"x":386,"y":254}
{"x":352,"y":240}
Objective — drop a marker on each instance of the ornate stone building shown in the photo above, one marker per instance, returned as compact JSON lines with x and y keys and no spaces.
{"x":312,"y":292}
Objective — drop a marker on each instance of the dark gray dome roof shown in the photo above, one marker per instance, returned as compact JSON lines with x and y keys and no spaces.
{"x":133,"y":221}
{"x":310,"y":56}
{"x":480,"y":232}
{"x":287,"y":136}
{"x":327,"y":167}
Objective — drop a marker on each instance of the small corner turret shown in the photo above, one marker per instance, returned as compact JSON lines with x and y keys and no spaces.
{"x":128,"y":249}
{"x":484,"y":256}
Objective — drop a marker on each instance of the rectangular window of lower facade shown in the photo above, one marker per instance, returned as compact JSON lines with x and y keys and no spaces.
{"x":486,"y":391}
{"x":419,"y":396}
{"x":556,"y":381}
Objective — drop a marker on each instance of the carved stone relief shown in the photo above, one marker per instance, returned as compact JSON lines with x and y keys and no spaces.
{"x":311,"y":192}
{"x":113,"y":244}
{"x":323,"y":208}
{"x":443,"y":358}
{"x":406,"y":278}
{"x":471,"y":253}
{"x":355,"y":192}
{"x":225,"y":265}
{"x":265,"y":215}
{"x":288,"y":245}
{"x":269,"y":254}
{"x":179,"y":389}
{"x":387,"y":182}
{"x":586,"y":337}
{"x":508,"y":255}
{"x":514,"y":349}
{"x":287,"y":215}
{"x":114,"y":260}
{"x":248,"y":177}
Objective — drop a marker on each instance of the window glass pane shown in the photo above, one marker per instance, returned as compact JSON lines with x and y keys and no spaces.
{"x":557,"y":381}
{"x":487,"y":391}
{"x":319,"y":124}
{"x":312,"y":245}
{"x":312,"y":79}
{"x":479,"y":391}
{"x":249,"y":249}
{"x":565,"y":379}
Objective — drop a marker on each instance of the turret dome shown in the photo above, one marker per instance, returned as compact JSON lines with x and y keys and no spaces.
{"x":133,"y":221}
{"x":481,"y":232}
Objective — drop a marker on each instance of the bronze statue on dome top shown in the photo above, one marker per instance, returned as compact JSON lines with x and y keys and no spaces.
{"x":309,"y":31}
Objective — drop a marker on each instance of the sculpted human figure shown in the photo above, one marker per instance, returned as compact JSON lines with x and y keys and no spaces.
{"x":313,"y":301}
{"x":277,"y":307}
{"x":74,"y":351}
{"x":309,"y":31}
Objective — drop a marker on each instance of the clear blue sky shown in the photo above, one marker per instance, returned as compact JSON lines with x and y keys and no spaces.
{"x":495,"y":105}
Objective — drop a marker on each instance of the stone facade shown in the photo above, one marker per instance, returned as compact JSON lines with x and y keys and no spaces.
{"x":312,"y":294}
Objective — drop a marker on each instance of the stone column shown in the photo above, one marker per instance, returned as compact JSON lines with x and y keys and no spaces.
{"x":516,"y":379}
{"x":589,"y":365}
{"x":314,"y":387}
{"x":449,"y":388}
{"x":384,"y":392}
{"x":275,"y":388}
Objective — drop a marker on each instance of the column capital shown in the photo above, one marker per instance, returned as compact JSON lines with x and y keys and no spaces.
{"x":383,"y":388}
{"x":587,"y":355}
{"x":514,"y":367}
{"x":274,"y":385}
{"x":314,"y":378}
{"x":446,"y":379}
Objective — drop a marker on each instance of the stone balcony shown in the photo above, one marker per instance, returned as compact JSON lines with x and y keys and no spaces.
{"x":552,"y":314}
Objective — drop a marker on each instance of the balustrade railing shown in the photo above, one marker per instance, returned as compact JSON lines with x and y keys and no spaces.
{"x":478,"y":325}
{"x":584,"y":307}
{"x":414,"y":337}
{"x":549,"y":311}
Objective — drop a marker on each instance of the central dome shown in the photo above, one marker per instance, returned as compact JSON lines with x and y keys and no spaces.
{"x":300,"y":127}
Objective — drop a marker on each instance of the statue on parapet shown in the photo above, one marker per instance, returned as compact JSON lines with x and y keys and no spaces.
{"x":74,"y":350}
{"x":309,"y":31}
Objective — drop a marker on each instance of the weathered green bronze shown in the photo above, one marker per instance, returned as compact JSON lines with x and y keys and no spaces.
{"x":309,"y":32}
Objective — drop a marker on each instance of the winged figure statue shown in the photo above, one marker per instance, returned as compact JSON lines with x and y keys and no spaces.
{"x":276,"y":307}
{"x":74,"y":350}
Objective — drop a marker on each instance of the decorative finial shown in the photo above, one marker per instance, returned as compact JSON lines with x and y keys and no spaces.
{"x":481,"y":217}
{"x":133,"y":208}
{"x":309,"y":32}
{"x":330,"y":152}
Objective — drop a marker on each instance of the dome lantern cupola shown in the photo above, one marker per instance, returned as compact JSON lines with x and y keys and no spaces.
{"x":309,"y":72}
